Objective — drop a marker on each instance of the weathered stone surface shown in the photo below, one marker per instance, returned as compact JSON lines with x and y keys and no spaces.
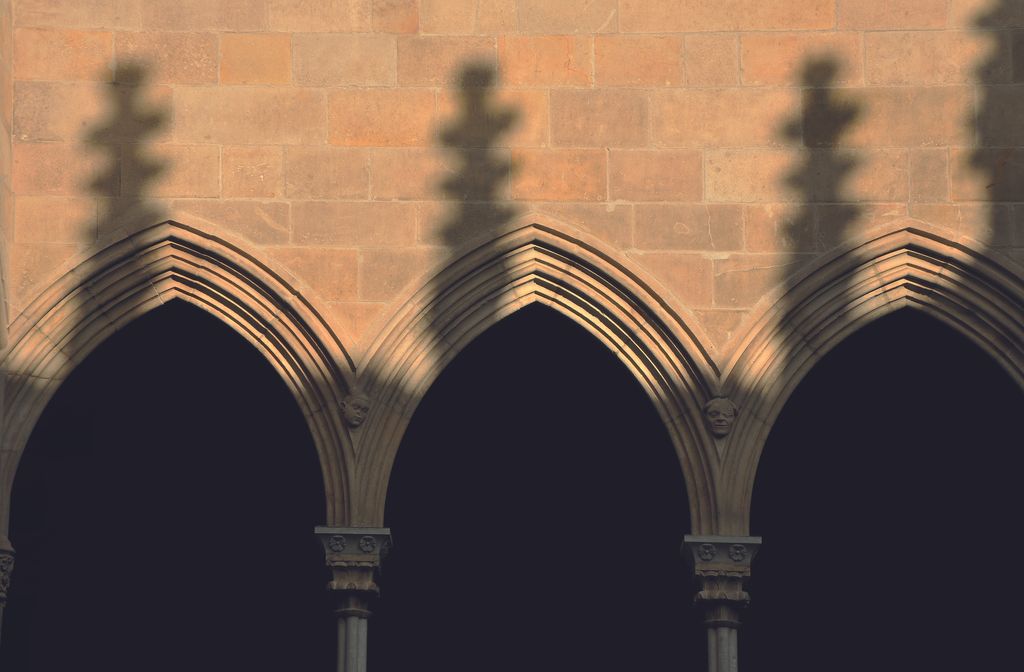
{"x":711,"y":60}
{"x":599,"y":118}
{"x":690,"y":16}
{"x":187,"y":171}
{"x":396,"y":16}
{"x":57,"y":111}
{"x":171,"y":57}
{"x":409,"y":173}
{"x":987,"y":174}
{"x":736,"y":117}
{"x":929,"y":57}
{"x":438,"y":61}
{"x":227,"y":15}
{"x":545,"y":60}
{"x":262,"y":222}
{"x":568,"y":16}
{"x":655,"y":175}
{"x":929,"y":174}
{"x":326,"y":173}
{"x":56,"y":169}
{"x":344,"y":60}
{"x":105,"y":14}
{"x":689,"y":226}
{"x":740,"y":280}
{"x":612,"y":222}
{"x":353,"y":224}
{"x":384,"y":273}
{"x":325,"y":16}
{"x":332,"y":272}
{"x":255,"y":58}
{"x":381,"y":117}
{"x":638,"y":60}
{"x":249,"y":115}
{"x":686,"y":275}
{"x":48,"y":219}
{"x":252,"y":171}
{"x":777,"y":59}
{"x":49,"y":54}
{"x":893,"y":14}
{"x":448,"y":17}
{"x":560,"y":175}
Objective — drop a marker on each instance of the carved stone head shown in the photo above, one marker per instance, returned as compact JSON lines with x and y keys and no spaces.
{"x":720,"y":414}
{"x":354,"y":408}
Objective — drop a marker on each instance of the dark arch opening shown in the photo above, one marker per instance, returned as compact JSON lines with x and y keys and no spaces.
{"x":163,"y":513}
{"x":887,"y":497}
{"x":537,"y":507}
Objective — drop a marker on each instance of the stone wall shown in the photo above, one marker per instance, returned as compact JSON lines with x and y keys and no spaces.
{"x":6,"y":125}
{"x":719,"y":145}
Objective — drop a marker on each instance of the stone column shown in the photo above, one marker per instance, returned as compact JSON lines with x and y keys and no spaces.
{"x":354,"y":555}
{"x":721,"y":565}
{"x":6,"y":567}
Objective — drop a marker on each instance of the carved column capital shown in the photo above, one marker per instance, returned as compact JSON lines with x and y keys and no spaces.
{"x":721,"y":565}
{"x":354,"y":555}
{"x":6,"y":567}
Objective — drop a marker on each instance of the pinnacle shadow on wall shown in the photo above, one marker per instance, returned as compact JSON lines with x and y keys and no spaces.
{"x":478,"y":189}
{"x":999,"y":126}
{"x":125,"y":139}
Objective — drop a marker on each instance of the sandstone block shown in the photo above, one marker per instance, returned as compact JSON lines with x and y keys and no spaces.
{"x":448,"y":17}
{"x":409,"y":173}
{"x":436,"y":61}
{"x":353,"y":318}
{"x":736,"y":117}
{"x":353,"y":223}
{"x":721,"y":325}
{"x":396,"y":16}
{"x":32,"y":267}
{"x":892,"y":14}
{"x":655,"y":175}
{"x":326,"y":173}
{"x":496,"y":17}
{"x":41,"y":53}
{"x":262,"y":222}
{"x":686,"y":275}
{"x":171,"y":57}
{"x":105,"y":14}
{"x":333,"y":273}
{"x":187,"y":171}
{"x":638,"y":60}
{"x":242,"y":116}
{"x":323,"y":16}
{"x":599,"y":118}
{"x":49,"y":219}
{"x":345,"y":60}
{"x":255,"y":58}
{"x":384,"y":273}
{"x":923,"y":57}
{"x":57,"y":169}
{"x":568,"y":16}
{"x":929,"y":174}
{"x":742,"y":279}
{"x":48,"y":111}
{"x":545,"y":60}
{"x":252,"y":171}
{"x":975,"y":13}
{"x":560,"y":174}
{"x":777,"y":59}
{"x":225,"y":15}
{"x":780,"y":227}
{"x":689,"y":226}
{"x":693,"y":16}
{"x":381,"y":117}
{"x":711,"y":60}
{"x":835,"y":225}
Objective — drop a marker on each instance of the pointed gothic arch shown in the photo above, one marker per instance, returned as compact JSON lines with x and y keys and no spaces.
{"x":101,"y":293}
{"x":546,"y":262}
{"x":908,"y":265}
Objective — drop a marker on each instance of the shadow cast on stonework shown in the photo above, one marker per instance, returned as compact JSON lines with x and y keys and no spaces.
{"x":479,"y":187}
{"x":131,"y":173}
